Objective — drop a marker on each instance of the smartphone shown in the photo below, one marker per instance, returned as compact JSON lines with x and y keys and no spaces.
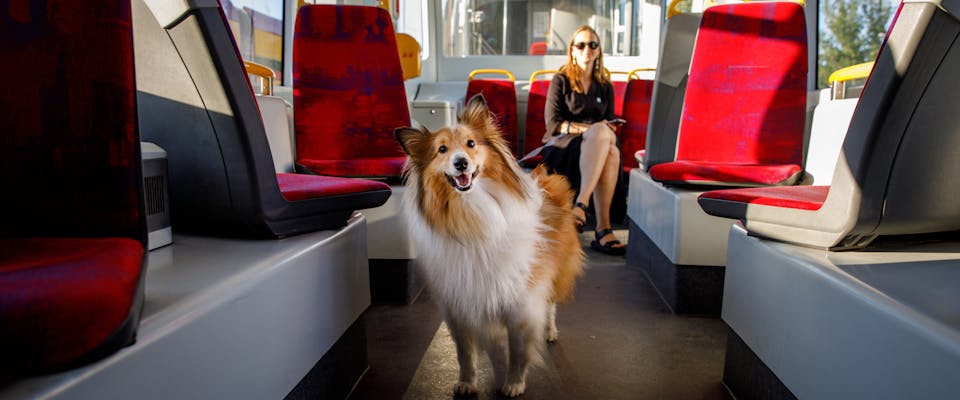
{"x":618,"y":121}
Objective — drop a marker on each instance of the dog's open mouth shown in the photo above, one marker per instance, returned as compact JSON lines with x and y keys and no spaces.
{"x":463,"y":182}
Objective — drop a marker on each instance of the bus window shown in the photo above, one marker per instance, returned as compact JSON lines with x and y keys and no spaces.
{"x":413,"y":21}
{"x":850,"y":33}
{"x":515,"y":27}
{"x":257,"y":26}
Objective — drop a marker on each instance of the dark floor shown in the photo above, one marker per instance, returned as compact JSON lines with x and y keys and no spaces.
{"x":617,"y":341}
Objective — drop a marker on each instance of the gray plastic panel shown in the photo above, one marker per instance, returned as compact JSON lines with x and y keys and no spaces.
{"x":229,"y":319}
{"x":669,"y":88}
{"x":881,"y":324}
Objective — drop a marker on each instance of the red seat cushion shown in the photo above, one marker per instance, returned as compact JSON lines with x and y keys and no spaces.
{"x":501,"y":98}
{"x":745,"y":107}
{"x":636,"y":110}
{"x":707,"y":173}
{"x":295,"y":187}
{"x":797,"y":197}
{"x":348,"y":87}
{"x":619,"y":93}
{"x":62,"y":298}
{"x":536,"y":125}
{"x":359,"y":167}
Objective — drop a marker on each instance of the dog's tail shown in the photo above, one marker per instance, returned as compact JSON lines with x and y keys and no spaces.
{"x":565,"y":254}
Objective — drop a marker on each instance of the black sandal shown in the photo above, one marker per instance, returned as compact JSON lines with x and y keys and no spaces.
{"x":581,"y":221}
{"x":607,"y":248}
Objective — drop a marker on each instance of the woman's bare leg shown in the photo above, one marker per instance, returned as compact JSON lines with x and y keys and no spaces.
{"x":594,"y":151}
{"x":599,"y":162}
{"x":603,"y":193}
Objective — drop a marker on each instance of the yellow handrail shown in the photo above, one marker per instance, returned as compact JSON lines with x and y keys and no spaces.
{"x":610,"y":74}
{"x":672,"y":8}
{"x":852,"y":72}
{"x":266,"y":75}
{"x":635,"y":74}
{"x":491,"y":71}
{"x":544,"y":72}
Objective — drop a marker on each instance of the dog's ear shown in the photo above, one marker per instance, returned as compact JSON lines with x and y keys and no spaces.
{"x":411,"y":140}
{"x":476,"y":113}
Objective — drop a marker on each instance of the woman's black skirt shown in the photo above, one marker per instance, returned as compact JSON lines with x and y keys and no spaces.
{"x":566,"y":161}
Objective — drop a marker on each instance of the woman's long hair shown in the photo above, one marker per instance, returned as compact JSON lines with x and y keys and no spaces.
{"x":573,"y":71}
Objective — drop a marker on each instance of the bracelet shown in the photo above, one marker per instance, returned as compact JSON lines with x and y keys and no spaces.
{"x":568,"y":128}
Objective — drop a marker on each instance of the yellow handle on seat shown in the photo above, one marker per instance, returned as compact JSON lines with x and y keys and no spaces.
{"x":491,"y":71}
{"x":635,"y":74}
{"x":265,"y":73}
{"x":852,"y":72}
{"x":542,"y":72}
{"x":672,"y":9}
{"x":610,"y":74}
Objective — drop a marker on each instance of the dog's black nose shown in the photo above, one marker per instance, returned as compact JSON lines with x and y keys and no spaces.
{"x":460,"y":164}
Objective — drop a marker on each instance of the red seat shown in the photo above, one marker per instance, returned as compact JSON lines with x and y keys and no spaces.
{"x":536,"y":125}
{"x":347,"y":106}
{"x":892,"y":175}
{"x":636,"y":110}
{"x":743,"y":110}
{"x":619,"y":92}
{"x":73,"y":226}
{"x":538,"y":48}
{"x":226,"y":155}
{"x":501,"y":97}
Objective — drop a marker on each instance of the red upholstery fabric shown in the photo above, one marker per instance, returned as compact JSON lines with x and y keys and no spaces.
{"x":636,"y":110}
{"x":708,"y":173}
{"x":797,"y":197}
{"x":748,"y":106}
{"x":62,"y":298}
{"x":70,"y":149}
{"x":538,"y":48}
{"x":619,"y":93}
{"x":501,"y":97}
{"x":348,"y":85}
{"x":357,"y":168}
{"x":535,"y":122}
{"x":295,"y":187}
{"x":70,"y":160}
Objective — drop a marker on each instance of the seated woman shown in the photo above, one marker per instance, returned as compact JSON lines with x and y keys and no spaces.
{"x":580,"y":138}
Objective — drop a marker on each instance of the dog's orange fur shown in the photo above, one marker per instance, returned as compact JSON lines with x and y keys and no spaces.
{"x":479,"y":229}
{"x":567,"y":256}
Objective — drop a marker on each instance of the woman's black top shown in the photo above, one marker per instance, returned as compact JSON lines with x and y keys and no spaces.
{"x":563,"y":104}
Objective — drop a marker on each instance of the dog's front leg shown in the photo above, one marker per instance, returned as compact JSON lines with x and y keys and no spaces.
{"x":465,"y":339}
{"x":521,"y":350}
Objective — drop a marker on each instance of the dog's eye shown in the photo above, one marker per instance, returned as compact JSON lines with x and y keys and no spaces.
{"x":443,"y":149}
{"x":471,"y":143}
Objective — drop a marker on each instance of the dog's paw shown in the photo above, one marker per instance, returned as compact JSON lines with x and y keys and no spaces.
{"x":552,"y":335}
{"x":514,"y":389}
{"x":462,"y":388}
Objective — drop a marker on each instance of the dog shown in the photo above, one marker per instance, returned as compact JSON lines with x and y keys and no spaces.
{"x":498,"y":247}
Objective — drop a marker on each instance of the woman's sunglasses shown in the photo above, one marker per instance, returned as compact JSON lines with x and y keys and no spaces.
{"x":581,"y":45}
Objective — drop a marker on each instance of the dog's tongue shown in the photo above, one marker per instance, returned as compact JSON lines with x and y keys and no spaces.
{"x":463,"y":180}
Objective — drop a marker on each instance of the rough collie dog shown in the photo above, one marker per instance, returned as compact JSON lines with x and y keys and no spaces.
{"x":498,"y":247}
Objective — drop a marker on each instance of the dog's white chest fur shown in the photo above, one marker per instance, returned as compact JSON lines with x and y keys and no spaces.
{"x":485,"y":277}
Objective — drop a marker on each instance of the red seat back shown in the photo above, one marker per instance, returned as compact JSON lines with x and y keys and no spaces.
{"x":536,"y":125}
{"x":71,"y":152}
{"x":619,"y":92}
{"x":72,"y":220}
{"x":501,"y":97}
{"x":747,"y":106}
{"x":348,"y":86}
{"x":636,"y":110}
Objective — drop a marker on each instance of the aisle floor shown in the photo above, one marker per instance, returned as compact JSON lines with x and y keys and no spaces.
{"x":617,"y":341}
